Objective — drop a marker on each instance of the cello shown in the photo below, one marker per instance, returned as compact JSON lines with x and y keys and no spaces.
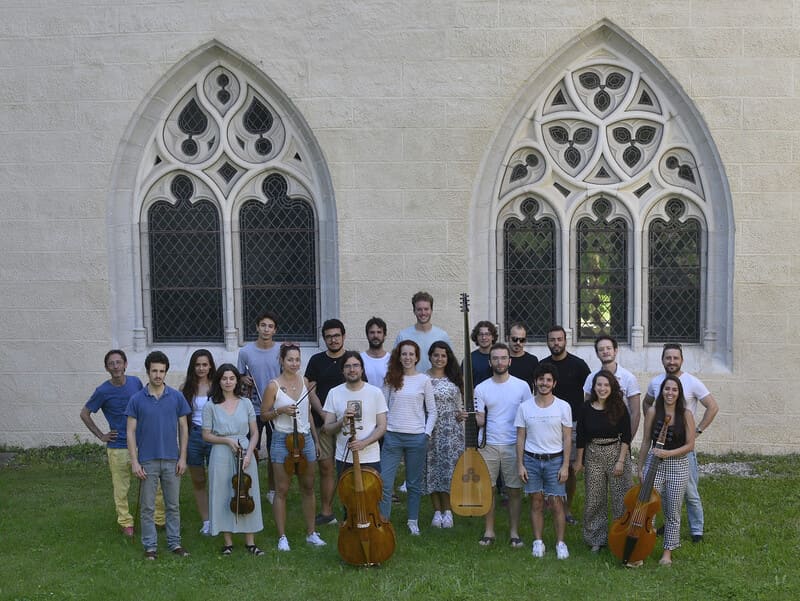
{"x":633,"y":536}
{"x":365,"y":538}
{"x":471,"y":485}
{"x":241,"y":501}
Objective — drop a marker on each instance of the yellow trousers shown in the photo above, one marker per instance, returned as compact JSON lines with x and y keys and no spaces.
{"x":119,"y":463}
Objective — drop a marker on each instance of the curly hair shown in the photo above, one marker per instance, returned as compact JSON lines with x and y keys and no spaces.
{"x":452,"y":370}
{"x":615,"y":405}
{"x":394,"y":374}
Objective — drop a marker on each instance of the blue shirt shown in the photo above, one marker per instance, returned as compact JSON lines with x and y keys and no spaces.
{"x":157,"y":423}
{"x":113,"y":400}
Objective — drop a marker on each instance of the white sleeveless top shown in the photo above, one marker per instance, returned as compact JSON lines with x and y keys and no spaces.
{"x":284,"y":423}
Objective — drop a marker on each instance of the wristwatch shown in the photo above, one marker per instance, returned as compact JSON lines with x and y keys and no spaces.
{"x":698,"y":430}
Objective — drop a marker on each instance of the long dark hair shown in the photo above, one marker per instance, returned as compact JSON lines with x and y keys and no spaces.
{"x":615,"y":405}
{"x":452,"y":370}
{"x":394,"y":374}
{"x":191,"y":382}
{"x":679,"y":425}
{"x":216,"y":394}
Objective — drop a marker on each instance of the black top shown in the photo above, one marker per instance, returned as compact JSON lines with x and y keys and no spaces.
{"x":523,"y":368}
{"x":594,"y":423}
{"x":676,"y":437}
{"x":572,"y":373}
{"x":327,"y":373}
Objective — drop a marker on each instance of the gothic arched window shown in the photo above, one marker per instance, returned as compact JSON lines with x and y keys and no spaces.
{"x":529,"y":277}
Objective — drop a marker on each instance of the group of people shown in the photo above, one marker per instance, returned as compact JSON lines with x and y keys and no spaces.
{"x":542,"y":423}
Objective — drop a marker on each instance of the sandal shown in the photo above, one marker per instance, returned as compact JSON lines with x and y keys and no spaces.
{"x":485,"y":541}
{"x":253,"y":550}
{"x":227,"y":550}
{"x":516,"y":542}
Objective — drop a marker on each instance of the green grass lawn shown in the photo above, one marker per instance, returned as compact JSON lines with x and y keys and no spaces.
{"x":59,"y":540}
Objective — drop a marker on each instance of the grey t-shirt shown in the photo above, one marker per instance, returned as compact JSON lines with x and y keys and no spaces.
{"x":262,"y":365}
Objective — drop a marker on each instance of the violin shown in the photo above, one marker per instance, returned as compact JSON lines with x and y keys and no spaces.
{"x":295,"y":462}
{"x":365,"y":538}
{"x":633,"y":536}
{"x":241,"y":501}
{"x":470,"y":485}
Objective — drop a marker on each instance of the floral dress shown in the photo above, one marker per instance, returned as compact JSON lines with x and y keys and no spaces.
{"x":447,"y":440}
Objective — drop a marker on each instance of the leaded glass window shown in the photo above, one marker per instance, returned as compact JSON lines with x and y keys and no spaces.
{"x":185,"y":267}
{"x":674,"y":280}
{"x":602,"y":274}
{"x":278,"y":250}
{"x":529,"y":279}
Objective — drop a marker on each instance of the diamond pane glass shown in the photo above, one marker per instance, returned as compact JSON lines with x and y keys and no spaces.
{"x":674,"y":281}
{"x":602,"y":278}
{"x":278,"y":250}
{"x":185,"y":272}
{"x":529,"y":253}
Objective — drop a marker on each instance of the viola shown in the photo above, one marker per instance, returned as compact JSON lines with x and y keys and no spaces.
{"x":295,"y":462}
{"x":633,"y":536}
{"x":241,"y":501}
{"x":470,"y":486}
{"x":365,"y":538}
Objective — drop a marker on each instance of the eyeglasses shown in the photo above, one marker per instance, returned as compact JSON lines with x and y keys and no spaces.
{"x":517,"y":340}
{"x":352,"y":366}
{"x":332,"y":336}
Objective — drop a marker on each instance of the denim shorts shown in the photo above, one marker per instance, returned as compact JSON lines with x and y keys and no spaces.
{"x":278,"y":451}
{"x":543,"y":476}
{"x":198,"y":450}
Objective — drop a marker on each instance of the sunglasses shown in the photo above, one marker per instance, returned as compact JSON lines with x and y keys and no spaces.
{"x":517,"y":340}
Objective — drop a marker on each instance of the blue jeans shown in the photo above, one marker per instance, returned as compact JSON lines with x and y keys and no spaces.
{"x":694,"y":506}
{"x":160,"y":470}
{"x":413,"y":448}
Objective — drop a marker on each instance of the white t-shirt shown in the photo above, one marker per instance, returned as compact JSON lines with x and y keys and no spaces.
{"x":500,"y":402}
{"x":627,"y":383}
{"x":375,"y":369}
{"x":693,"y":390}
{"x":372,"y":404}
{"x":543,"y":426}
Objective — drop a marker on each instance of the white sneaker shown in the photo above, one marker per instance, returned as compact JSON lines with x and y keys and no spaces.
{"x":283,"y":544}
{"x":538,"y":549}
{"x":271,"y":496}
{"x":561,"y":550}
{"x":437,"y":521}
{"x":403,"y":487}
{"x":447,"y":520}
{"x":413,"y":527}
{"x":314,"y":539}
{"x":206,"y":529}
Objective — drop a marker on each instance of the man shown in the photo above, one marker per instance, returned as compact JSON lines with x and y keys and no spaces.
{"x":375,"y":358}
{"x":496,"y":403}
{"x":523,"y":364}
{"x":112,"y":397}
{"x":606,"y":349}
{"x":695,"y":392}
{"x":324,"y":372}
{"x":363,"y":402}
{"x":572,"y":373}
{"x":484,"y":334}
{"x":158,"y":434}
{"x":544,"y":432}
{"x":259,"y":363}
{"x":424,"y":333}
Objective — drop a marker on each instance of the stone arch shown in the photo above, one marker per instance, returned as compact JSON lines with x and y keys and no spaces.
{"x":668,"y":133}
{"x":133,"y":171}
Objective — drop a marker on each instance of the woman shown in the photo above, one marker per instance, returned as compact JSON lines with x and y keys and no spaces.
{"x":673,"y":471}
{"x":603,"y":441}
{"x":409,"y":395}
{"x":195,"y":389}
{"x":447,"y":440}
{"x":227,"y":421}
{"x":286,"y":400}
